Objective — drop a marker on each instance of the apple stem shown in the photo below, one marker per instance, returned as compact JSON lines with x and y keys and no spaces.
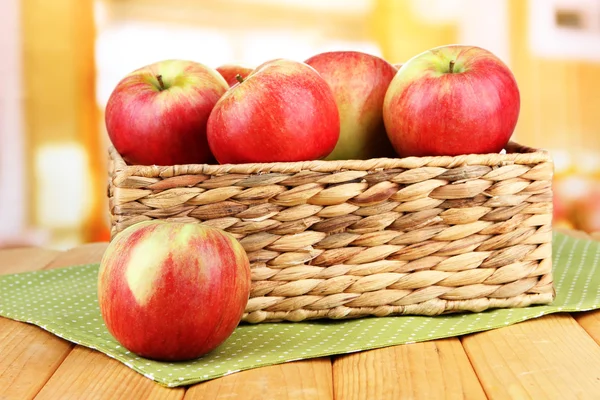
{"x":239,"y":78}
{"x":161,"y":84}
{"x":451,"y":66}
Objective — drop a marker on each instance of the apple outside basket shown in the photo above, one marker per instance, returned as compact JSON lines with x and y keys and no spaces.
{"x":377,"y":237}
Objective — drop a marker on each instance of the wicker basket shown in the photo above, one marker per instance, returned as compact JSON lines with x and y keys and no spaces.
{"x":379,"y":237}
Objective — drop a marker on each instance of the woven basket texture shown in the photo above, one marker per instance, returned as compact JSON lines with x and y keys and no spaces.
{"x":377,"y":237}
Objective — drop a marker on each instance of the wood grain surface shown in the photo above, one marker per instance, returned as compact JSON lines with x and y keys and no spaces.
{"x":28,"y":354}
{"x":13,"y":261}
{"x":590,"y":321}
{"x":306,"y":380}
{"x":552,"y":357}
{"x":427,"y":370}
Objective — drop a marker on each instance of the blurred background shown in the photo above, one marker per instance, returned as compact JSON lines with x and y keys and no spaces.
{"x":60,"y":60}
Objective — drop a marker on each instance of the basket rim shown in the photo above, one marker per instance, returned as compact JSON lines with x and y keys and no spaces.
{"x":516,"y":154}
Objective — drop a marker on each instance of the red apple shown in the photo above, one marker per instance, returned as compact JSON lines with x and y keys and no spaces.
{"x":283,"y":111}
{"x":157,"y":114}
{"x":398,"y":66}
{"x":231,"y":71}
{"x":173,"y":291}
{"x":359,"y":82}
{"x":451,"y":100}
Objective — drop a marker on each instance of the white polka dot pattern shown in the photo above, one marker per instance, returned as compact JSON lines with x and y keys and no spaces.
{"x":64,"y":302}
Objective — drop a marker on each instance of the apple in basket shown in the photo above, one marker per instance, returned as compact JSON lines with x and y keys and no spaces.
{"x":157,"y":114}
{"x":173,"y":291}
{"x":231,"y":71}
{"x":283,"y":111}
{"x":359,"y":82}
{"x":451,"y":100}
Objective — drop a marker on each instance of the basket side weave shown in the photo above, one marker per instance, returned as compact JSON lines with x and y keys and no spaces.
{"x":343,"y":239}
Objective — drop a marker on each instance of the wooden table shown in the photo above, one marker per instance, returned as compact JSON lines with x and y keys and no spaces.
{"x":553,"y":357}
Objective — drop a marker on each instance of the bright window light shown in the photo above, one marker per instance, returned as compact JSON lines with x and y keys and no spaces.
{"x":64,"y":190}
{"x":125,"y":46}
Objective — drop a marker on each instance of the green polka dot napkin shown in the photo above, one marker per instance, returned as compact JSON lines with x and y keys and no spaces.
{"x":63,"y":301}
